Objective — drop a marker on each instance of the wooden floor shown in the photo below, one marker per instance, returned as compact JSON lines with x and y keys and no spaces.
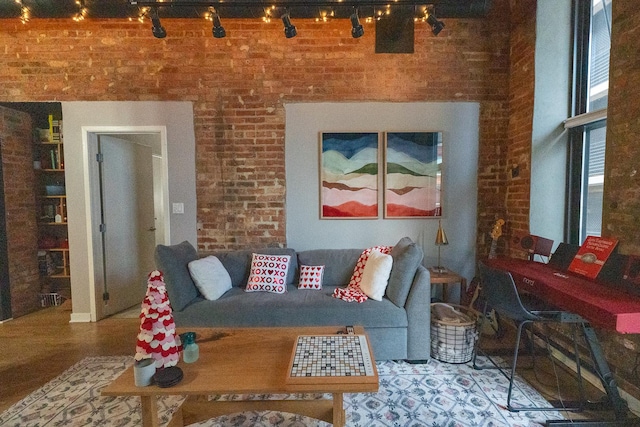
{"x":38,"y":347}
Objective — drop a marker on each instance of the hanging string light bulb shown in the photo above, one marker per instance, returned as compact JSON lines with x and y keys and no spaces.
{"x":82,"y":11}
{"x":143,"y":13}
{"x":25,"y":13}
{"x":268,"y":13}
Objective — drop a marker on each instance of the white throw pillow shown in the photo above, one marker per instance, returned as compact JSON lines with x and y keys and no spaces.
{"x":210,"y":277}
{"x":375,"y":275}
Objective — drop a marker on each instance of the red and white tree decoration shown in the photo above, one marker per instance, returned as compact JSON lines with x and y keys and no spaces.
{"x":157,"y":337}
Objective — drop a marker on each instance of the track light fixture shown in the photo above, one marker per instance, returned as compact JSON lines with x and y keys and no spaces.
{"x":436,"y":26}
{"x":217,"y":30}
{"x":157,"y":29}
{"x":357,"y":30}
{"x":289,"y":29}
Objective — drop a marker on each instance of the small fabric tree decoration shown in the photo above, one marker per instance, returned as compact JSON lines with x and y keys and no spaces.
{"x":157,"y":337}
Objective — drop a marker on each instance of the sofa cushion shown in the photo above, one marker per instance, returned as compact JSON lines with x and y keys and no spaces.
{"x":296,"y":307}
{"x":311,"y":277}
{"x":375,"y":275}
{"x":268,"y":273}
{"x":407,"y":256}
{"x":210,"y":277}
{"x":173,"y":262}
{"x":238,"y":263}
{"x":339,"y":263}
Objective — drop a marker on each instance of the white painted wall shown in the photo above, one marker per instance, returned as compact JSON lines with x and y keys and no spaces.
{"x":177,"y":118}
{"x":459,"y":124}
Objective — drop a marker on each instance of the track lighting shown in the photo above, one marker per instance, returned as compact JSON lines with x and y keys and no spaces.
{"x":157,"y":29}
{"x":436,"y":26}
{"x":289,"y":29}
{"x":217,"y":30}
{"x":356,"y":28}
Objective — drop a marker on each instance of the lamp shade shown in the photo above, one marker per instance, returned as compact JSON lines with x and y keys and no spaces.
{"x":441,"y":236}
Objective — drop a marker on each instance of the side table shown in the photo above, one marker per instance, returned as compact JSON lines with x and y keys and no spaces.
{"x":446,"y":278}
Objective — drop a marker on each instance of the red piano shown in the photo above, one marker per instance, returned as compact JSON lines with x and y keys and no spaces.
{"x":603,"y":306}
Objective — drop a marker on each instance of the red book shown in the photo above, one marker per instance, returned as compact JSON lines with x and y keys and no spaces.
{"x":592,"y":255}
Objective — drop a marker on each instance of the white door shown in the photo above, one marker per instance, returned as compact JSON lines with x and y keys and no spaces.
{"x":128,"y":217}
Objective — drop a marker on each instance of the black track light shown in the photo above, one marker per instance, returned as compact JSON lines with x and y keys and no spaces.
{"x":436,"y":26}
{"x":289,"y":29}
{"x":357,"y":30}
{"x":217,"y":30}
{"x":157,"y":29}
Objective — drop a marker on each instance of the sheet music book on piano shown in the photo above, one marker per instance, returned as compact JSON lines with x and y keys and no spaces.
{"x":592,"y":255}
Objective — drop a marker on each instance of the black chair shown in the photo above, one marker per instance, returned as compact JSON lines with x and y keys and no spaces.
{"x":501,"y":294}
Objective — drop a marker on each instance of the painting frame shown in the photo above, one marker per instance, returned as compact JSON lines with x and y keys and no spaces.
{"x":413,"y":178}
{"x":349,"y":175}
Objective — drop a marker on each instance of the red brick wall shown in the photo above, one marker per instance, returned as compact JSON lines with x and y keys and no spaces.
{"x":505,"y":154}
{"x":239,"y":86}
{"x":621,"y":216}
{"x":621,"y":204}
{"x":20,"y":205}
{"x":521,"y":101}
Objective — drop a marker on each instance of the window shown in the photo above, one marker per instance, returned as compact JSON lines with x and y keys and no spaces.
{"x":588,"y":125}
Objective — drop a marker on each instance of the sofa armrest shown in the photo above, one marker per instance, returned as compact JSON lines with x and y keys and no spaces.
{"x":418,"y":307}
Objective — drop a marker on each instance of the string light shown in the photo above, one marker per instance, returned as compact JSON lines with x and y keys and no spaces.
{"x":82,"y":11}
{"x":267,"y":14}
{"x":25,"y":13}
{"x":325,"y":16}
{"x":143,"y":13}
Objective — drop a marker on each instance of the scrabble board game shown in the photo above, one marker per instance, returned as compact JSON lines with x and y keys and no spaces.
{"x":339,"y":358}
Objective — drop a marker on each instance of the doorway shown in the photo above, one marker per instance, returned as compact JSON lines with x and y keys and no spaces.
{"x":127,"y":188}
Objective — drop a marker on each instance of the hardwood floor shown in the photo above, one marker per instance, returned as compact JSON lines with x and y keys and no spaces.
{"x":38,"y":347}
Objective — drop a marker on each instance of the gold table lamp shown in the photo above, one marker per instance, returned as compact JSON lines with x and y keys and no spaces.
{"x":441,"y":239}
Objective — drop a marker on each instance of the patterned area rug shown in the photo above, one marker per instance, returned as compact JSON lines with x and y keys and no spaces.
{"x":433,"y":394}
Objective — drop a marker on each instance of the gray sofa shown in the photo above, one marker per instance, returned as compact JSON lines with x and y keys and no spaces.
{"x":398,"y":326}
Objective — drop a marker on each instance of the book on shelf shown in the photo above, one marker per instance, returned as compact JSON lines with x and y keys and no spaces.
{"x":55,"y":129}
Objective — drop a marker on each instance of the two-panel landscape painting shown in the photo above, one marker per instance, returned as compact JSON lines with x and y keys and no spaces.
{"x":350,"y":170}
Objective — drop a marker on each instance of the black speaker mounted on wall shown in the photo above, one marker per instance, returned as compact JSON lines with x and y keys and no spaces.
{"x":395,"y":31}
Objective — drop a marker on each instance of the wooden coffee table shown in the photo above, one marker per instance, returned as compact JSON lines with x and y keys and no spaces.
{"x":246,"y":361}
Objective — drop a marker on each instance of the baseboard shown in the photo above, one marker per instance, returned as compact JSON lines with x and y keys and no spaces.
{"x":587,"y":423}
{"x":80,"y":318}
{"x":632,"y":402}
{"x":6,"y":320}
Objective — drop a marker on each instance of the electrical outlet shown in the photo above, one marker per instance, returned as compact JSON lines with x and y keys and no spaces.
{"x":178,"y":208}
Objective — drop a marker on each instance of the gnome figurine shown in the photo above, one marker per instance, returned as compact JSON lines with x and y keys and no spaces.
{"x":157,"y":337}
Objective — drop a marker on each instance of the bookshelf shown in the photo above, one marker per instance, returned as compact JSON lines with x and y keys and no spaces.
{"x":53,"y":244}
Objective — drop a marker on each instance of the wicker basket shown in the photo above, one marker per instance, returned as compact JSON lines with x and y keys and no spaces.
{"x":453,"y":341}
{"x":50,"y":299}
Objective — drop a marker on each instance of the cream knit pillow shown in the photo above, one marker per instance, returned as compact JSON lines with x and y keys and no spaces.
{"x":375,"y":275}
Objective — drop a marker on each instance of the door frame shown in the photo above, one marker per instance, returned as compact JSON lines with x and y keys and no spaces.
{"x":92,"y":201}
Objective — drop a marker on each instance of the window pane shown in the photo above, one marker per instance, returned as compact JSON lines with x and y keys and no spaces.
{"x":593,"y":180}
{"x":599,"y":54}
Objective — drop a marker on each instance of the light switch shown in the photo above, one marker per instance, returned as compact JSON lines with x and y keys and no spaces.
{"x":178,"y":208}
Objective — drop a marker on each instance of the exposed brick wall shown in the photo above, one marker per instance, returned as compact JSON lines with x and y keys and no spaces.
{"x":239,"y":86}
{"x":504,"y":176}
{"x":20,"y":205}
{"x":521,"y":100}
{"x":621,"y":204}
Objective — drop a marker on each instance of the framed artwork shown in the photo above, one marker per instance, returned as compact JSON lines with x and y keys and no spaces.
{"x":413,"y":175}
{"x":349,"y":175}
